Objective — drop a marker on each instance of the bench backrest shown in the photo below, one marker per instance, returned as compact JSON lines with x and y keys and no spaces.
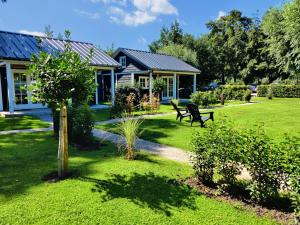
{"x":175,"y":106}
{"x":194,"y":111}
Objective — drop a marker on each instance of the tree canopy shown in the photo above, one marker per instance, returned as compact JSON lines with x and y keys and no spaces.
{"x":240,"y":48}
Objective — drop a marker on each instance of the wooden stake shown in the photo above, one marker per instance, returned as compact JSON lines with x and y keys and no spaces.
{"x":63,"y":143}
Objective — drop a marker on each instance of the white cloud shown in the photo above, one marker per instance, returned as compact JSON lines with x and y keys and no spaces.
{"x":142,"y":40}
{"x":135,"y":18}
{"x":35,"y":33}
{"x":120,"y":2}
{"x":93,"y":16}
{"x":144,"y":11}
{"x":221,"y":14}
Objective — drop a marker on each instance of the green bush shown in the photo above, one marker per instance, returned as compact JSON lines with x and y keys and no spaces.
{"x":247,"y":96}
{"x":270,"y":93}
{"x":217,"y":155}
{"x":222,"y":151}
{"x":81,"y":124}
{"x":232,"y":92}
{"x":204,"y":99}
{"x":262,"y":161}
{"x":127,"y":99}
{"x":279,"y":91}
{"x":158,"y":86}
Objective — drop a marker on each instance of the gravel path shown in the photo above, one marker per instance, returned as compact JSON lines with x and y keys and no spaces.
{"x":165,"y":151}
{"x":26,"y":131}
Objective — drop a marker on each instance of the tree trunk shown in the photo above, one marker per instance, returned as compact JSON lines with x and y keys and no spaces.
{"x":63,"y":143}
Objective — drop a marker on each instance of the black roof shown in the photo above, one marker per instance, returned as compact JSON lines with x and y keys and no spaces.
{"x":156,"y":61}
{"x":17,"y":46}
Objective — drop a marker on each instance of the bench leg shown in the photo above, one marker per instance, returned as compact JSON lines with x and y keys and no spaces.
{"x":202,"y":124}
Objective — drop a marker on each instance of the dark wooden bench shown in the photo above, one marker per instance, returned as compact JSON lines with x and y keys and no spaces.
{"x":197,"y":116}
{"x":181,"y":112}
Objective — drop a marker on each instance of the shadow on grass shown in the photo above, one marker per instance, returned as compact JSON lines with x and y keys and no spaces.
{"x":159,"y":193}
{"x":27,"y":158}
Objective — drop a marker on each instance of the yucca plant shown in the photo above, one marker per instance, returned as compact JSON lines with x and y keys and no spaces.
{"x":129,"y":129}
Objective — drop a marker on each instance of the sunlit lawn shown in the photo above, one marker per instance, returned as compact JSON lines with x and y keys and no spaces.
{"x":104,"y":114}
{"x":107,"y":190}
{"x":19,"y":123}
{"x":278,"y":116}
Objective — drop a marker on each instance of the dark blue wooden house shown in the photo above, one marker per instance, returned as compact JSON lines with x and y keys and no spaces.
{"x":142,"y":67}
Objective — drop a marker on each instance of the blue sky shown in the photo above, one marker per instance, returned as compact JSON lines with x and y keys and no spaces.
{"x":126,"y":23}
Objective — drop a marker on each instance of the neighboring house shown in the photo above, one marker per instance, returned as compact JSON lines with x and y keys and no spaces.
{"x":142,"y":67}
{"x":15,"y":52}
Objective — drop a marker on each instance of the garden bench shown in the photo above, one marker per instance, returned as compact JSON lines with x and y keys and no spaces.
{"x":181,"y":112}
{"x":197,"y":116}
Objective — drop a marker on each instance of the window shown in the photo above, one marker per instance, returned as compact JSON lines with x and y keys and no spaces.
{"x":144,"y":82}
{"x":122,"y":61}
{"x":20,"y":83}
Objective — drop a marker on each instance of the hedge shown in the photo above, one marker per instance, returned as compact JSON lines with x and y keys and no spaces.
{"x":233,"y":92}
{"x":279,"y":91}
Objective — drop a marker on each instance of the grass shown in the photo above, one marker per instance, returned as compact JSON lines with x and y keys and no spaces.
{"x":279,"y":116}
{"x":107,"y":190}
{"x":20,"y":123}
{"x":104,"y":114}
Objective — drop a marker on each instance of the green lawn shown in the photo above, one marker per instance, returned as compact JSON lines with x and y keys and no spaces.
{"x":279,"y":116}
{"x":103,"y":114}
{"x":20,"y":123}
{"x":108,"y":189}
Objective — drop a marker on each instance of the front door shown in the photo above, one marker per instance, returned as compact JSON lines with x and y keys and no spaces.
{"x":168,"y":90}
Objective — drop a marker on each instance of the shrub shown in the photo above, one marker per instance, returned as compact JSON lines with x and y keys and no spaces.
{"x":81,"y":124}
{"x":262,"y":161}
{"x":204,"y":98}
{"x":217,"y":155}
{"x":158,"y":86}
{"x":279,"y":91}
{"x":232,"y":92}
{"x":147,"y":105}
{"x":127,"y":99}
{"x":270,"y":93}
{"x":247,"y":96}
{"x":129,"y":129}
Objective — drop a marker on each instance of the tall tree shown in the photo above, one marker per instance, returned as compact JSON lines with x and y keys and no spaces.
{"x":281,"y":26}
{"x":228,"y":39}
{"x":172,"y":35}
{"x":59,"y":78}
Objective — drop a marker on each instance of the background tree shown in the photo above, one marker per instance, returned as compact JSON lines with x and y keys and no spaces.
{"x":110,"y":50}
{"x":48,"y":31}
{"x":59,"y":78}
{"x":181,"y":52}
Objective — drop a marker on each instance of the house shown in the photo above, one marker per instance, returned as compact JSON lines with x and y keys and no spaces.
{"x":142,"y":67}
{"x":15,"y":52}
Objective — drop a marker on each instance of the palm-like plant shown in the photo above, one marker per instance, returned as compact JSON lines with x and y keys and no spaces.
{"x":129,"y":129}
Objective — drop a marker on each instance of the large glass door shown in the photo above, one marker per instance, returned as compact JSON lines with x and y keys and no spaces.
{"x":168,"y":90}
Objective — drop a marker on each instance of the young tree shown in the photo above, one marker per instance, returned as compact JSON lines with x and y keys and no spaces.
{"x":59,"y":78}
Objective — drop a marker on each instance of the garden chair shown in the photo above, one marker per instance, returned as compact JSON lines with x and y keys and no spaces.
{"x":181,"y":112}
{"x":197,"y":116}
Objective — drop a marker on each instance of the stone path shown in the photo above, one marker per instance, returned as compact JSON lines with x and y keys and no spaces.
{"x":165,"y":151}
{"x":26,"y":131}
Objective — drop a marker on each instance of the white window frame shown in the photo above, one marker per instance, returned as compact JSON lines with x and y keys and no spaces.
{"x":122,"y":61}
{"x":29,"y":105}
{"x":146,"y":82}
